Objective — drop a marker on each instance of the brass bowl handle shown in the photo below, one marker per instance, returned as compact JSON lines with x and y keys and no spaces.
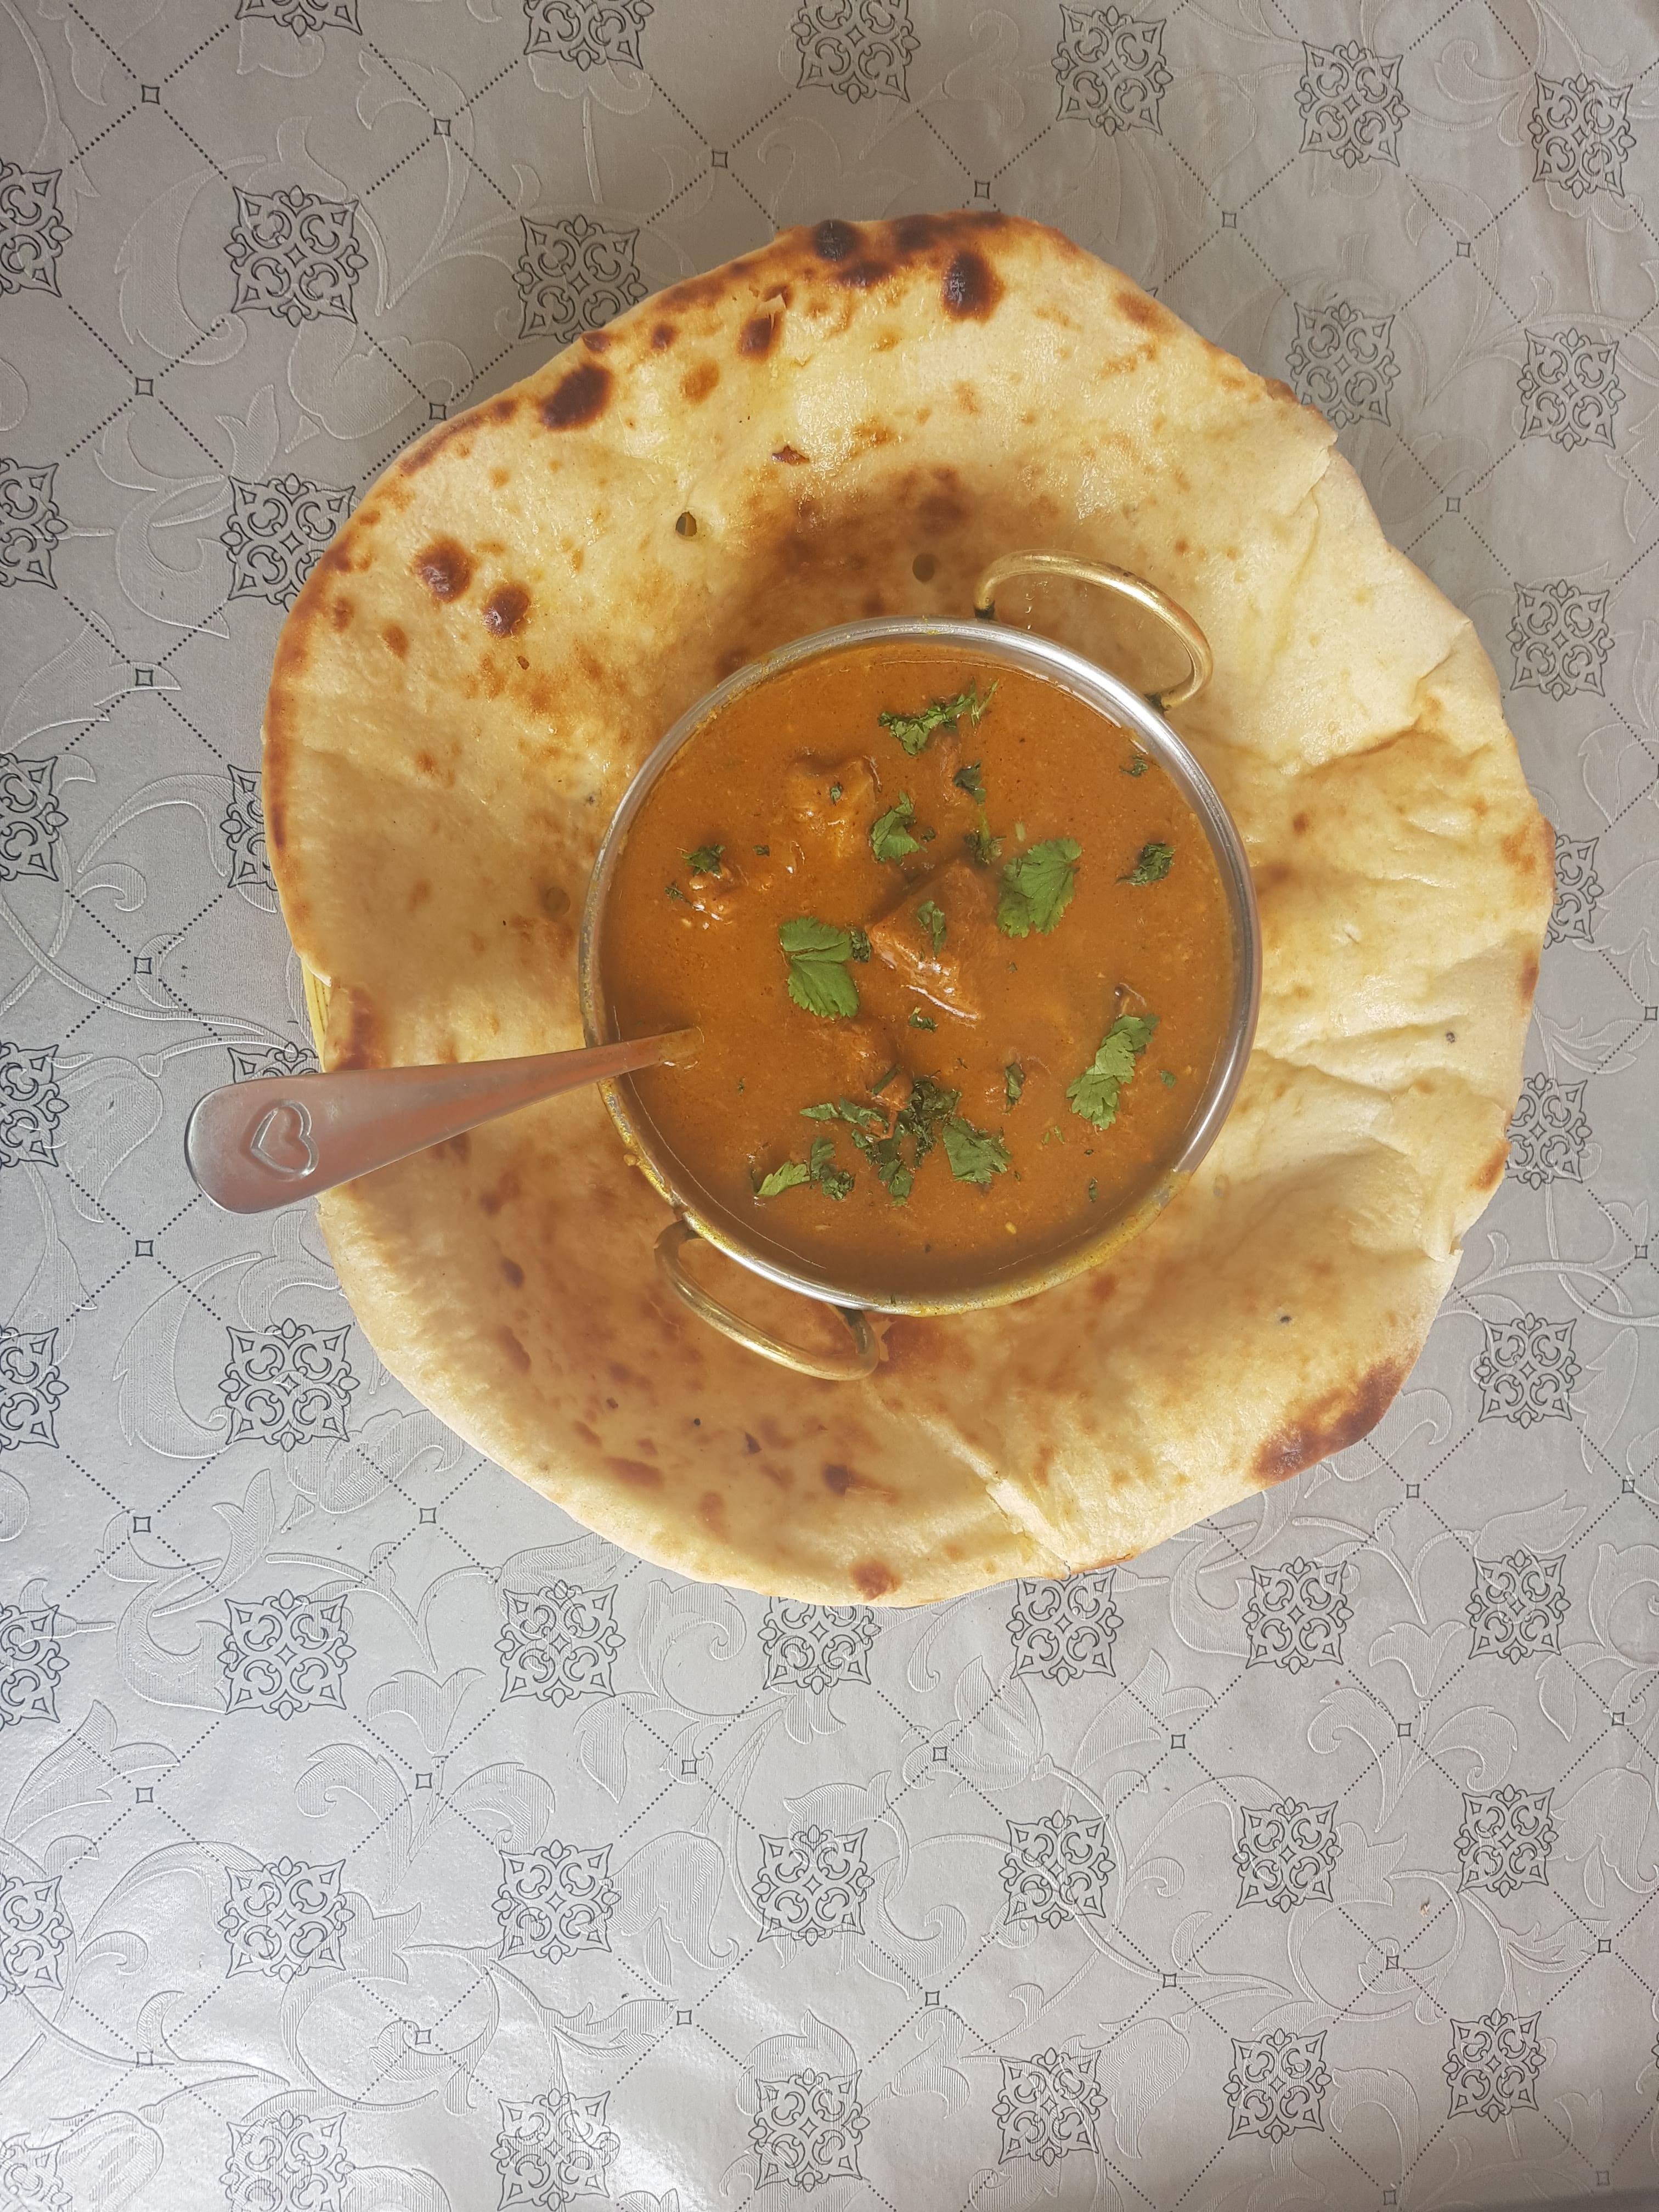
{"x":1192,"y":639}
{"x":852,"y":1366}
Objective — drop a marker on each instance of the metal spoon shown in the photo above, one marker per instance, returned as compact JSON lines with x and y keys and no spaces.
{"x":251,"y":1146}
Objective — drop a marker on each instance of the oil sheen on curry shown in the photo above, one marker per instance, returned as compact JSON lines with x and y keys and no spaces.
{"x":960,"y":956}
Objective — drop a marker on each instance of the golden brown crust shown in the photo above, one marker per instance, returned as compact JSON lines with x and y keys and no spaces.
{"x":854,"y":420}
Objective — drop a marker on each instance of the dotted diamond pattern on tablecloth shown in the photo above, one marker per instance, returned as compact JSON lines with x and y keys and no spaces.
{"x":370,"y":1835}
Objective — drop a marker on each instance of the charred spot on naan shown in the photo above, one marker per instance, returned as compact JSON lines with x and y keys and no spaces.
{"x":1335,"y":1420}
{"x":580,"y":397}
{"x":505,"y":609}
{"x":445,"y":567}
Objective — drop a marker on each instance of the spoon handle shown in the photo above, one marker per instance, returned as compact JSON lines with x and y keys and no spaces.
{"x":251,"y":1146}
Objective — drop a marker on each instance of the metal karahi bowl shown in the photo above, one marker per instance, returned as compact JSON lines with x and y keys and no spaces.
{"x":987,"y":640}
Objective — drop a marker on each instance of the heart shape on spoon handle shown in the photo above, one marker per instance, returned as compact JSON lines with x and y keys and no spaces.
{"x":251,"y":1146}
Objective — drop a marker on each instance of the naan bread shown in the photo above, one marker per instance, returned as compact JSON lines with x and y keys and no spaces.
{"x":516,"y":612}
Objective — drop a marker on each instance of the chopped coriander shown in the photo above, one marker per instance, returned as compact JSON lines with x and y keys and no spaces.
{"x":741,"y":1081}
{"x":1054,"y":1134}
{"x":765,"y":852}
{"x":1037,"y":887}
{"x":1167,"y":1079}
{"x":674,"y":891}
{"x":1137,"y":766}
{"x":921,"y":1021}
{"x":782,"y":1178}
{"x":870,"y":1118}
{"x":1152,"y":865}
{"x":974,"y":1154}
{"x":705,"y":862}
{"x":835,"y":794}
{"x":1094,"y":1190}
{"x":889,"y":833}
{"x":1013,"y":1082}
{"x":1095,"y":1093}
{"x":1019,"y":832}
{"x":914,"y":730}
{"x":969,"y":779}
{"x":833,"y":1181}
{"x":982,"y":845}
{"x":878,"y":1088}
{"x":930,"y":920}
{"x":860,"y":944}
{"x":915,"y":1129}
{"x":818,"y":953}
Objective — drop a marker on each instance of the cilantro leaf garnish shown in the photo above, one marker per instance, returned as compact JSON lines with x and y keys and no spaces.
{"x":974,"y":1154}
{"x":895,"y":1156}
{"x":1168,"y":1077}
{"x":878,"y":1088}
{"x":818,"y":953}
{"x":982,"y":845}
{"x":930,"y":920}
{"x":705,"y":862}
{"x":889,"y":833}
{"x":1095,"y":1093}
{"x":782,"y":1178}
{"x":921,"y":1021}
{"x":674,"y":891}
{"x":1013,"y":1082}
{"x":860,"y":944}
{"x":765,"y":851}
{"x":1137,"y":766}
{"x":835,"y":794}
{"x":1152,"y":865}
{"x":1037,"y":887}
{"x":833,"y":1181}
{"x":914,"y":730}
{"x":870,"y":1118}
{"x":969,"y":779}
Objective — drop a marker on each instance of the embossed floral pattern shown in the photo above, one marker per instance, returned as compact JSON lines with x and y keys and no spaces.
{"x":276,"y":530}
{"x":31,"y":819}
{"x":553,"y":2148}
{"x":589,"y":33}
{"x":814,"y":1647}
{"x":1342,"y":363}
{"x":1517,"y":1606}
{"x":576,"y":274}
{"x":1493,"y":2065}
{"x":1350,"y":103}
{"x":1570,"y":389}
{"x":285,"y":2158}
{"x":34,"y":1934}
{"x":559,"y":1643}
{"x":302,"y":17}
{"x":555,"y":1901}
{"x":296,"y":254}
{"x":806,"y":2130}
{"x":1296,"y":1614}
{"x":812,"y":1884}
{"x":288,"y":1385}
{"x":280,"y":1056}
{"x":1050,"y":2105}
{"x":285,"y":1654}
{"x":1527,"y":1370}
{"x":1279,"y":2083}
{"x":32,"y":231}
{"x":32,"y":1663}
{"x":1577,"y":891}
{"x":1505,"y":1839}
{"x":1057,"y":1868}
{"x":1286,"y":1853}
{"x":1062,"y":1631}
{"x":1549,"y":1133}
{"x":243,"y":827}
{"x":285,"y":1918}
{"x":28,"y":2177}
{"x":31,"y":1104}
{"x":30,"y":523}
{"x":1110,"y":68}
{"x":1560,"y":637}
{"x":32,"y":1387}
{"x":1580,"y":133}
{"x":857,"y":48}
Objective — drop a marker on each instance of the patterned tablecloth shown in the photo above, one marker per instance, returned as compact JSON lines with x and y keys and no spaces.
{"x":370,"y":1837}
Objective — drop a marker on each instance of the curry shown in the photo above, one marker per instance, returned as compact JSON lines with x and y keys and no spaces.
{"x":959,"y":951}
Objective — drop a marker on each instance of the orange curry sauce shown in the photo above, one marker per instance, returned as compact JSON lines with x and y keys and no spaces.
{"x":788,"y":781}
